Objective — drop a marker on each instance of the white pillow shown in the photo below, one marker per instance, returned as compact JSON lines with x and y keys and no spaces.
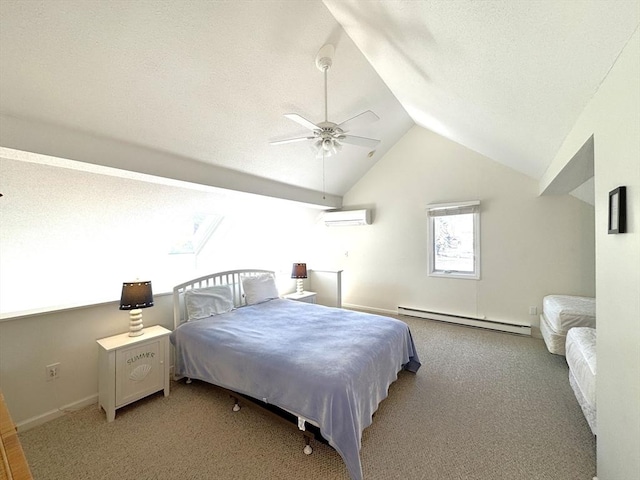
{"x":259,"y":288}
{"x":205,"y":302}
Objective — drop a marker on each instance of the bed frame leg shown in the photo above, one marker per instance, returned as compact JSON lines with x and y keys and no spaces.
{"x":307,"y":448}
{"x":236,"y":405}
{"x":188,"y":381}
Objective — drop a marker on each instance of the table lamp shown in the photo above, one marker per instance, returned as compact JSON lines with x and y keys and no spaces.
{"x":136,"y":296}
{"x":299,"y":272}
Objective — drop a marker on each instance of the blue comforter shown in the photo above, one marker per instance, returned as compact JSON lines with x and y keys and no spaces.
{"x":328,"y":365}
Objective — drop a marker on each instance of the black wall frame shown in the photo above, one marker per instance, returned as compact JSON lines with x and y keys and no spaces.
{"x":618,"y":210}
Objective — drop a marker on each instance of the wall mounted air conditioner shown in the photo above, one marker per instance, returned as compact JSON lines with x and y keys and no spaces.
{"x":343,"y":218}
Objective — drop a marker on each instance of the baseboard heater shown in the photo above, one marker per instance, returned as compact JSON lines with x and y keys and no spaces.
{"x":462,"y":320}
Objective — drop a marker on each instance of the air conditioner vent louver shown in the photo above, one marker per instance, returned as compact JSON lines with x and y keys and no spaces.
{"x":343,"y":218}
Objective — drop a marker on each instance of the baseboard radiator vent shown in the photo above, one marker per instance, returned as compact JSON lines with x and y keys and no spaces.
{"x":469,"y":321}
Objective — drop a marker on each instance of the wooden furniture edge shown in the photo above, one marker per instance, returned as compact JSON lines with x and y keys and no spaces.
{"x":14,"y":462}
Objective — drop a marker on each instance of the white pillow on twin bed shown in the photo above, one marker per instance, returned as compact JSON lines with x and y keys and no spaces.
{"x":259,"y":288}
{"x":205,"y":302}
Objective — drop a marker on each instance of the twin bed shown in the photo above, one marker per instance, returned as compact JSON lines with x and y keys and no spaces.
{"x":568,"y":327}
{"x":560,"y":313}
{"x":581,"y":358}
{"x":326,"y":366}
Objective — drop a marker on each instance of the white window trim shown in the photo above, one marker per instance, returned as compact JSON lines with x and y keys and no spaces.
{"x":472,"y":206}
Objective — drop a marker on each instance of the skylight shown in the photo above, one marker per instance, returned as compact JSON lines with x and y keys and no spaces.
{"x":194,"y":233}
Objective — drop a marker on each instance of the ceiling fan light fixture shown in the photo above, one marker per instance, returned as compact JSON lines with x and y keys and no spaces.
{"x":328,"y":136}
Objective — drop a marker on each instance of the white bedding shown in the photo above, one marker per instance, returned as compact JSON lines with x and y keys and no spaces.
{"x":560,"y":313}
{"x":581,"y":358}
{"x":329,"y":365}
{"x":566,"y":311}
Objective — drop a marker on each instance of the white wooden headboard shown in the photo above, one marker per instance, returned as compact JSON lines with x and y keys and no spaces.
{"x":232,"y":278}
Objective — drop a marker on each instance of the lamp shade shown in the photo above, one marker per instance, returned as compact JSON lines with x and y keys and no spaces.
{"x":299,"y":270}
{"x":136,"y":295}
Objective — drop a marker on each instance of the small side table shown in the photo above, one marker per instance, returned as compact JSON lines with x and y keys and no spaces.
{"x":130,"y":368}
{"x":307,"y":297}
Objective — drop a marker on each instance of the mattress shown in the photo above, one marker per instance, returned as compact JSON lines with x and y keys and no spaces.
{"x":561,"y":313}
{"x":555,"y":342}
{"x":566,"y":311}
{"x":581,"y":358}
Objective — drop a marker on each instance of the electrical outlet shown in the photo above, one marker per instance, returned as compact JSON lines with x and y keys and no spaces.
{"x":52,"y":371}
{"x":533,"y":310}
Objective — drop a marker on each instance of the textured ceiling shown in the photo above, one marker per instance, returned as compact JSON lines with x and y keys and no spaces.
{"x":210,"y":81}
{"x":506,"y":78}
{"x":204,"y":80}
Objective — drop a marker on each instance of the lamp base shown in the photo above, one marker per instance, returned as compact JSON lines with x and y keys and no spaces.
{"x":135,"y":322}
{"x":299,"y":286}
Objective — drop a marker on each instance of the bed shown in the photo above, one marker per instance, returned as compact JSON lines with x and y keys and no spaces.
{"x":326,"y":366}
{"x":581,"y":358}
{"x":560,"y":313}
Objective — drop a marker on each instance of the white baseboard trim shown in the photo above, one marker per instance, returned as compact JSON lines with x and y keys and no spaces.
{"x":58,"y":412}
{"x":43,"y":418}
{"x":510,"y":327}
{"x":382,"y":311}
{"x":535,"y":332}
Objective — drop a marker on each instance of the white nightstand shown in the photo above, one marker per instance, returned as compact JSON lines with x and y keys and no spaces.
{"x":131,"y":368}
{"x":307,"y":297}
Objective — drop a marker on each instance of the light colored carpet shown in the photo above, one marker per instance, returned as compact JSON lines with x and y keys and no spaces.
{"x":484,"y":405}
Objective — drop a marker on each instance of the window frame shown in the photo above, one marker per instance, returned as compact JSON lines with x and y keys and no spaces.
{"x":456,"y":208}
{"x":209,"y":223}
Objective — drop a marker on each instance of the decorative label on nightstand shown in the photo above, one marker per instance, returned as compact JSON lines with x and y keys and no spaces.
{"x":140,"y":372}
{"x":139,"y":356}
{"x":140,"y":368}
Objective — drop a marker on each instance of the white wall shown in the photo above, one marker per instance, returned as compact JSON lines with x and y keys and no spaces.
{"x":28,"y":344}
{"x":73,"y":237}
{"x":63,"y":230}
{"x":613,"y":117}
{"x":531,"y":246}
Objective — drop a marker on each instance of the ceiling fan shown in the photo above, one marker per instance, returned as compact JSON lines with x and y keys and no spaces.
{"x":327,"y":137}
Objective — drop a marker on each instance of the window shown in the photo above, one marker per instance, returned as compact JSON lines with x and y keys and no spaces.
{"x":454,"y":240}
{"x":194,"y":233}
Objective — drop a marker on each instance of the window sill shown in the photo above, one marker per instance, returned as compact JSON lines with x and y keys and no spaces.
{"x":470,"y":276}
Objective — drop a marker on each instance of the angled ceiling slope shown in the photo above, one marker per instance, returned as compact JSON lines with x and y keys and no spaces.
{"x":207,"y":84}
{"x":210,"y":83}
{"x":505,"y":78}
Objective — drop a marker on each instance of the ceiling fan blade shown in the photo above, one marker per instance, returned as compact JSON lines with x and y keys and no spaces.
{"x":362,"y":119}
{"x":360,"y":141}
{"x":290,"y":140}
{"x":302,"y":121}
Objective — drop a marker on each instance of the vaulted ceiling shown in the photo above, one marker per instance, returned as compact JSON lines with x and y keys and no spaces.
{"x":210,"y":81}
